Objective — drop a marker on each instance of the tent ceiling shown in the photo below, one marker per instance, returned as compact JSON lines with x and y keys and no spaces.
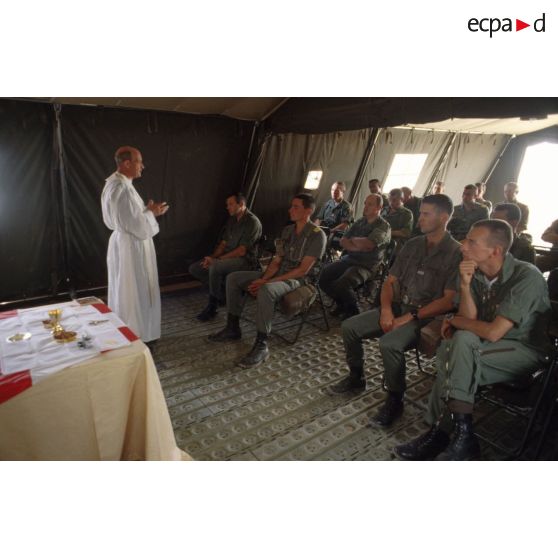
{"x":258,"y":108}
{"x":512,"y":126}
{"x":244,"y":108}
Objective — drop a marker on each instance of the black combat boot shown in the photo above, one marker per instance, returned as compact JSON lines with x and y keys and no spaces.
{"x":391,"y":410}
{"x":210,"y":311}
{"x":425,"y":447}
{"x":258,"y":354}
{"x":354,"y":382}
{"x":464,"y":445}
{"x":231,"y":332}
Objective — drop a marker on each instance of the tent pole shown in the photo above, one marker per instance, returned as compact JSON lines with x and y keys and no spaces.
{"x":441,"y":162}
{"x":254,"y":129}
{"x":375,"y":132}
{"x":255,"y":180}
{"x":493,"y":168}
{"x":65,"y":213}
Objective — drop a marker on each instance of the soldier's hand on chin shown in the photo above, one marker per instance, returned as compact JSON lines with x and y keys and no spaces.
{"x":466,"y":271}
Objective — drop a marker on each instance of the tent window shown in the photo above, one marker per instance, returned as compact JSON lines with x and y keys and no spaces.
{"x":537,"y":187}
{"x":313,"y":180}
{"x":404,"y":170}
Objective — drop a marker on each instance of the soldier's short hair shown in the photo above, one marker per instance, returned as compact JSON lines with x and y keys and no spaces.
{"x":308,"y":200}
{"x":441,"y":202}
{"x":239,"y":197}
{"x":341,"y":185}
{"x":396,"y":192}
{"x":513,"y":212}
{"x":500,"y":233}
{"x":471,"y":187}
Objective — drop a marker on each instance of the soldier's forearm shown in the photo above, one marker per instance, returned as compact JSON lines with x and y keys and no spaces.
{"x":238,"y":252}
{"x":467,"y":306}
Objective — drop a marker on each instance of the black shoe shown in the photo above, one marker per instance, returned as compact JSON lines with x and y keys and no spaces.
{"x":258,"y":354}
{"x":464,"y":445}
{"x":391,"y":410}
{"x":349,"y":384}
{"x":425,"y":447}
{"x":231,"y":332}
{"x":208,"y":313}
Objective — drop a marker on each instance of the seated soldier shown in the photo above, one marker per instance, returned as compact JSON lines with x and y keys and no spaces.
{"x":400,"y":218}
{"x":235,"y":251}
{"x":421,"y":285}
{"x":497,"y":335}
{"x":479,"y":198}
{"x":413,"y":204}
{"x":336,"y":212}
{"x":549,"y":261}
{"x":438,"y":187}
{"x":521,"y":248}
{"x":467,"y":213}
{"x":300,"y":246}
{"x":376,"y":188}
{"x":363,"y":248}
{"x":510,"y":194}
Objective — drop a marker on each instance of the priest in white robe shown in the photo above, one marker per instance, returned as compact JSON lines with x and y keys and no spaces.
{"x":133,"y":282}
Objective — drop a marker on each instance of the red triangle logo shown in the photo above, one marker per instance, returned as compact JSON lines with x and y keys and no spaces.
{"x":519,"y":25}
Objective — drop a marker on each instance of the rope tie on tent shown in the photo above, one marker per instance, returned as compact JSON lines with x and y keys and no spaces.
{"x":457,"y":151}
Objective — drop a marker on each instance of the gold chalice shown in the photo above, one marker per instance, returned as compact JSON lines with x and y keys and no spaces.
{"x":55,"y":316}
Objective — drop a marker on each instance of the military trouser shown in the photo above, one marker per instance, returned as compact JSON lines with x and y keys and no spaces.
{"x":466,"y":362}
{"x":392,"y":344}
{"x":339,"y":279}
{"x":267,"y":296}
{"x":215,"y":275}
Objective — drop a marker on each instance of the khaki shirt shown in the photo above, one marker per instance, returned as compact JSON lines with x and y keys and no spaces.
{"x":519,"y":294}
{"x":333,"y":213}
{"x":244,"y":232}
{"x":379,"y":232}
{"x":424,"y":276}
{"x":292,"y":248}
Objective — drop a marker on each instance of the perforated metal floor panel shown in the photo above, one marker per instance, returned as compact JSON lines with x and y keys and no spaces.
{"x":281,"y":410}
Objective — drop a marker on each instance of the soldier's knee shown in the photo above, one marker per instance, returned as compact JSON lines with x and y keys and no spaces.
{"x":389,"y":342}
{"x":349,"y":328}
{"x":464,"y":338}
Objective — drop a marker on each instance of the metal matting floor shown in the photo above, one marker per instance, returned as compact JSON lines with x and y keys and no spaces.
{"x":281,"y":410}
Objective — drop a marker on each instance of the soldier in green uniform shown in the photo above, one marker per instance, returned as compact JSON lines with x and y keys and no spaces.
{"x":336,"y":212}
{"x":467,"y":213}
{"x":549,"y":261}
{"x":400,"y":218}
{"x":363,"y":246}
{"x":412,"y":203}
{"x":376,"y":188}
{"x":510,"y":194}
{"x":235,"y":251}
{"x":300,"y":246}
{"x":479,"y":198}
{"x":498,"y":334}
{"x":421,"y":285}
{"x":521,"y":247}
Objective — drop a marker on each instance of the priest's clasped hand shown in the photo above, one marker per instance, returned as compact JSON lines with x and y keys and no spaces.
{"x":157,"y":209}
